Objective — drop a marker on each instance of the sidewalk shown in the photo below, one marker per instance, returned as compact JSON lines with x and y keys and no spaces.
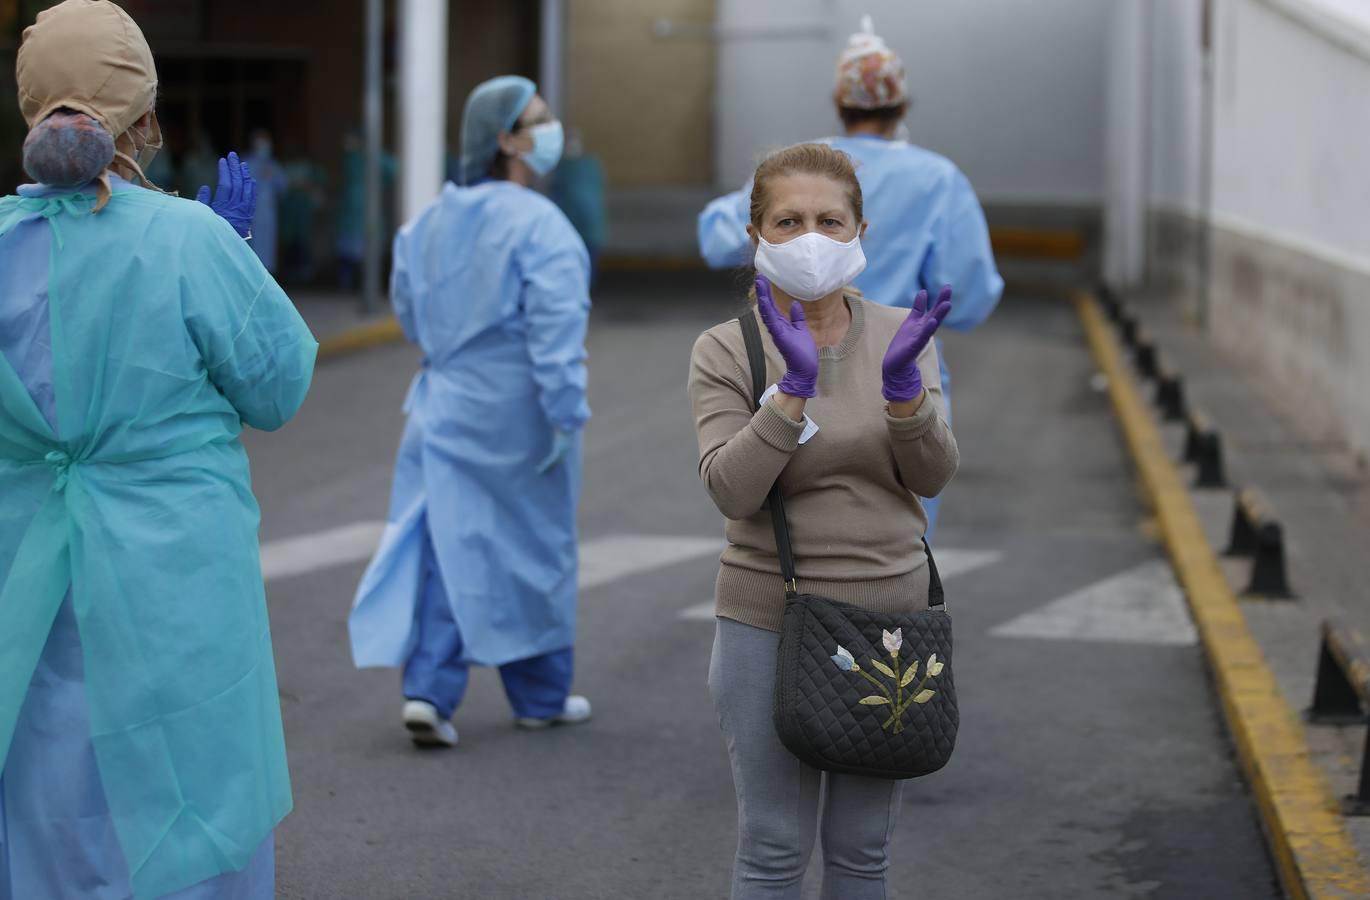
{"x":338,"y":323}
{"x":1320,"y":493}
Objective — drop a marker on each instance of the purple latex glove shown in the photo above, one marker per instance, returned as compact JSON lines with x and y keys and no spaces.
{"x":792,"y":339}
{"x":235,"y":199}
{"x":903,"y":380}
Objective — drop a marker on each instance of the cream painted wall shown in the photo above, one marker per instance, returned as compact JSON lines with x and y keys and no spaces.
{"x":644,"y":104}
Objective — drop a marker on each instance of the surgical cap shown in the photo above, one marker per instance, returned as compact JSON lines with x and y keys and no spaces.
{"x":493,"y":107}
{"x":88,"y":56}
{"x":869,"y":74}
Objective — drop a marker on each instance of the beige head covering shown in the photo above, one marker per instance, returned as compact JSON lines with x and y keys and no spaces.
{"x":90,"y":56}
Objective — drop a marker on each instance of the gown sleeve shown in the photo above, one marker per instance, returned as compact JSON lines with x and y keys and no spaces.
{"x":555,"y":270}
{"x":257,"y":350}
{"x":722,"y":230}
{"x":962,"y":257}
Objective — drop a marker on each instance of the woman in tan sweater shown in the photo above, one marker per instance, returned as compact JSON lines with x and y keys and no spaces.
{"x":854,"y":438}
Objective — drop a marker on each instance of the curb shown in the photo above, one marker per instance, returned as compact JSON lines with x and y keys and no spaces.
{"x":1313,"y":854}
{"x":361,"y":337}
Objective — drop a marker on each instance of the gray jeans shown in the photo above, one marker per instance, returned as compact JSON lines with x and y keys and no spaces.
{"x":782,"y":804}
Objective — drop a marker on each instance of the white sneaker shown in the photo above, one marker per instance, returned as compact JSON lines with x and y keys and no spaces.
{"x":576,"y":710}
{"x":426,"y":727}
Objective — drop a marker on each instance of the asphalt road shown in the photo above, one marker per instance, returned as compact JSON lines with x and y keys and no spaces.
{"x":1092,"y":760}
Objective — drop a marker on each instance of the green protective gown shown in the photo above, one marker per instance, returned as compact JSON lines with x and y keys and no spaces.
{"x":167,"y":335}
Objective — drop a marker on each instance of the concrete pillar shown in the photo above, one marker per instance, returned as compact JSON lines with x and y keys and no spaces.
{"x":552,"y":56}
{"x":1126,"y":165}
{"x":423,"y":103}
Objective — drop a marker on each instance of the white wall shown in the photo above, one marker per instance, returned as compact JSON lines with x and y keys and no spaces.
{"x":1013,"y":92}
{"x":1292,"y":151}
{"x":1174,"y":104}
{"x":1288,"y":289}
{"x":1291,"y":123}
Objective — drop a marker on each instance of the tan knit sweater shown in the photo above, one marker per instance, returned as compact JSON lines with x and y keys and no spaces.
{"x":851,"y":491}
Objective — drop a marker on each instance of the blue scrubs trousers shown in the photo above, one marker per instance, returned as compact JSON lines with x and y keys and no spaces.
{"x":537,"y":687}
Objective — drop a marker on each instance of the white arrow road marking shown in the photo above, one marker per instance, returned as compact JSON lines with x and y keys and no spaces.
{"x":1143,"y":605}
{"x":602,"y":560}
{"x":950,"y":564}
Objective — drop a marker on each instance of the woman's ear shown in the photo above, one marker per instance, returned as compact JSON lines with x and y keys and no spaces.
{"x":861,"y":232}
{"x":506,"y":144}
{"x":753,"y":234}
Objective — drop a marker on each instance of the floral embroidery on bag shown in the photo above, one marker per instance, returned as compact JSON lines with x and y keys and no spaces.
{"x":897,"y":699}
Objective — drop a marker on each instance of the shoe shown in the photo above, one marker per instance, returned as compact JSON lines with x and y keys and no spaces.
{"x":426,"y":727}
{"x":576,"y":710}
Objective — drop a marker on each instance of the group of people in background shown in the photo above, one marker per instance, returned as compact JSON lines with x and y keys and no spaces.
{"x":141,"y":747}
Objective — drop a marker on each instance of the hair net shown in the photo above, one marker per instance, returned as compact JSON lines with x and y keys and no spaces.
{"x":67,"y":149}
{"x":493,"y":107}
{"x":88,"y":56}
{"x":869,"y":74}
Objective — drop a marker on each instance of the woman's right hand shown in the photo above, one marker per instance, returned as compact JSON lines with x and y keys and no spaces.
{"x":792,"y":339}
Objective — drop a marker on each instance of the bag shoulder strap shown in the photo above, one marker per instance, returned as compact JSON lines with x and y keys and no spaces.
{"x":756,"y":360}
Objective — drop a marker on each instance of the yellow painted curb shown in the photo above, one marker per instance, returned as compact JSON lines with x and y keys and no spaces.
{"x":375,"y":334}
{"x":1312,"y":851}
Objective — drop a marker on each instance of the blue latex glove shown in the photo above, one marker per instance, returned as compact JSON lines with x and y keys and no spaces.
{"x":561,"y":445}
{"x":235,"y":199}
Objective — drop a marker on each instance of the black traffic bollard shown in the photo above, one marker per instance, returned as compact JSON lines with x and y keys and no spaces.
{"x":1336,"y":695}
{"x":1170,"y":396}
{"x":1209,"y":457}
{"x":1144,"y":356}
{"x":1241,"y":539}
{"x":1269,"y":577}
{"x":1196,"y":423}
{"x":1128,"y":323}
{"x":1340,"y":695}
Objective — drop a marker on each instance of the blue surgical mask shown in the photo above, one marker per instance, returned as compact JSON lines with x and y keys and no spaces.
{"x":548,"y":140}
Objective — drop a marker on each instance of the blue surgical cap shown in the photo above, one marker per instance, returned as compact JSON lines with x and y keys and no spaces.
{"x":493,"y":107}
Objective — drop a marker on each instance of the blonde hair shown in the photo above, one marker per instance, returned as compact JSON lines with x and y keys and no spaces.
{"x":804,"y":159}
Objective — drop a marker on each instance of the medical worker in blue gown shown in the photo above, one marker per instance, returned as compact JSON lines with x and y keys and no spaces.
{"x":926,"y":225}
{"x":478,"y":565}
{"x":141,"y":748}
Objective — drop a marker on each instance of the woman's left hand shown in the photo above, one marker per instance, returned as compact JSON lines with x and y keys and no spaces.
{"x":903,"y":381}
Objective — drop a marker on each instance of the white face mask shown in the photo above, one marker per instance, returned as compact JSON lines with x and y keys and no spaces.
{"x":811,"y":266}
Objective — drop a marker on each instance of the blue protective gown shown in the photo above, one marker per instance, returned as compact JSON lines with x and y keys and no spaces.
{"x":141,"y":751}
{"x":491,"y":281}
{"x":926,"y":230}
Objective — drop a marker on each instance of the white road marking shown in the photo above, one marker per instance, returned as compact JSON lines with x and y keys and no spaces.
{"x":610,"y":558}
{"x":602,"y":560}
{"x":950,"y":564}
{"x":1143,"y":605}
{"x":320,"y":550}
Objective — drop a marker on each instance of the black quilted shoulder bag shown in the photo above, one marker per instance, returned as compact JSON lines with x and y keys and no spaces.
{"x":858,"y":692}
